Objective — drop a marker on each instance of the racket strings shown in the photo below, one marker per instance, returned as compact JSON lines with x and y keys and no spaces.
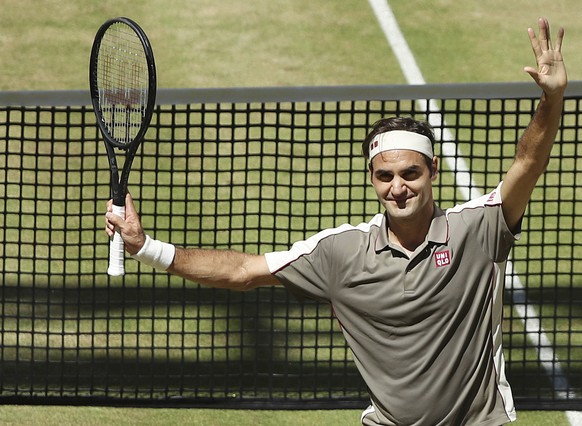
{"x":123,"y":82}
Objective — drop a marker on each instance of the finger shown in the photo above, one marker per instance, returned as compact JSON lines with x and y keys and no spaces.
{"x":544,"y":38}
{"x":114,"y":221}
{"x":534,"y":74}
{"x":130,"y":210}
{"x":109,"y":230}
{"x":535,"y":45}
{"x":109,"y":226}
{"x":129,"y":201}
{"x":558,"y":46}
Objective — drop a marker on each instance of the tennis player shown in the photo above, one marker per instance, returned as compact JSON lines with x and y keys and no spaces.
{"x":417,"y":290}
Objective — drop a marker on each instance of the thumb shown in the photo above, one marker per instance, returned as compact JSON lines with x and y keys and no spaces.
{"x":129,"y":206}
{"x":532,"y":72}
{"x":115,"y":217}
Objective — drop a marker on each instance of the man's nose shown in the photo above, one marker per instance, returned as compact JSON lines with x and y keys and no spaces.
{"x":399,"y":187}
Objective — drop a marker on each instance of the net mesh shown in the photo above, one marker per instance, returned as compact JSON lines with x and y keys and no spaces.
{"x":254,"y":171}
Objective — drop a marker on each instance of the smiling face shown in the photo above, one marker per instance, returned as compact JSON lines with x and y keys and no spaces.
{"x":403,"y":183}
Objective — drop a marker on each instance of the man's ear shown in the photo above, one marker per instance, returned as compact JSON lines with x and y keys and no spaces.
{"x":434,"y":168}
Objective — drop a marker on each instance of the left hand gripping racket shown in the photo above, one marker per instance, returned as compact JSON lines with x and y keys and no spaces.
{"x":122,"y":79}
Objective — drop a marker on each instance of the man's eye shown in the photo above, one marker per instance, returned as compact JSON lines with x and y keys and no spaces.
{"x":411,"y":175}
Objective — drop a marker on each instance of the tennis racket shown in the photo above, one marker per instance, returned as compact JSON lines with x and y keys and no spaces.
{"x":122,"y":79}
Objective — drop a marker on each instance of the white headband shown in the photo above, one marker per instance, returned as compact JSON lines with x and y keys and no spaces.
{"x":400,"y":139}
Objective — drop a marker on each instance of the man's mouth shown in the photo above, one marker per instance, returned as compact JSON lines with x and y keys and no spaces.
{"x":400,"y":202}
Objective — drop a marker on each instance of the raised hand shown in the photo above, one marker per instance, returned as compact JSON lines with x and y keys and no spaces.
{"x":550,"y":73}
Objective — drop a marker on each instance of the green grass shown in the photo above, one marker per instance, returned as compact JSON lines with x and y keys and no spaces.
{"x":45,"y":45}
{"x":103,"y":416}
{"x":199,"y":44}
{"x":464,"y":41}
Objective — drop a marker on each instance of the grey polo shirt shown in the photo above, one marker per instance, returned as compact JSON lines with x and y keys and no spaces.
{"x":425,"y":330}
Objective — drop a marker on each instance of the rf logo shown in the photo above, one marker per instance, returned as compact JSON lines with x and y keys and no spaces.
{"x":442,"y":258}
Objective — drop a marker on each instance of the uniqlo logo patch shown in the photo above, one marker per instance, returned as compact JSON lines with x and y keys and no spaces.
{"x":442,"y":258}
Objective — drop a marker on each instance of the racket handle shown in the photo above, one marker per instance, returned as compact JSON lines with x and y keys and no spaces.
{"x":116,"y":248}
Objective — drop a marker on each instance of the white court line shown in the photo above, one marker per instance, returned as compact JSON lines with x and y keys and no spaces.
{"x":467,"y":187}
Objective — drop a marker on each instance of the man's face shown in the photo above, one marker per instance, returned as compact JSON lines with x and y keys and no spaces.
{"x":403,"y":183}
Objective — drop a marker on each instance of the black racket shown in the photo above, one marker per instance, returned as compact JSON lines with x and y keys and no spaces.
{"x":122,"y":78}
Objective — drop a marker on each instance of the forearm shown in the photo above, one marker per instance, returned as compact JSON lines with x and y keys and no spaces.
{"x":535,"y":146}
{"x":221,"y":268}
{"x":531,"y":159}
{"x":216,"y":268}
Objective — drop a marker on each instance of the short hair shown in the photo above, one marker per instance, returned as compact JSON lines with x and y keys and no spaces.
{"x":399,"y":123}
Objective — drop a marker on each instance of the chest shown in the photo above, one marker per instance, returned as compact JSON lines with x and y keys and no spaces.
{"x":394,"y":289}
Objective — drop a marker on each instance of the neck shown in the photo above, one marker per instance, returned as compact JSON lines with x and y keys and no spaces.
{"x":410,"y":233}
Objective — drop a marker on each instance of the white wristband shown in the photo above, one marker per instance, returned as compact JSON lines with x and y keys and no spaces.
{"x":156,"y":254}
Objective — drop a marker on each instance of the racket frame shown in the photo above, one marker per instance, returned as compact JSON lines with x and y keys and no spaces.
{"x":119,"y":183}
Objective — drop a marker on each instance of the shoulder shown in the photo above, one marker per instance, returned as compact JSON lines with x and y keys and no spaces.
{"x":482,"y":222}
{"x":492,"y":199}
{"x":324,"y":240}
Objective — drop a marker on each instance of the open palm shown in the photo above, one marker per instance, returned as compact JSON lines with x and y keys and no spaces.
{"x":550,"y":74}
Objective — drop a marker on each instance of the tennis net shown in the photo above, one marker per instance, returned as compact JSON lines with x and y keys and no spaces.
{"x":255,"y":170}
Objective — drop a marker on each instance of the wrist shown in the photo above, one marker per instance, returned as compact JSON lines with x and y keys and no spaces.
{"x":157,"y":254}
{"x":554,"y":96}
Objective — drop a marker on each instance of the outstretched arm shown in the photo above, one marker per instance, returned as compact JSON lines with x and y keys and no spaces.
{"x":222,"y":268}
{"x":215,"y":268}
{"x":535,"y":145}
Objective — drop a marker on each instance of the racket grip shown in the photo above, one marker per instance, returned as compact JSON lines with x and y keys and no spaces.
{"x":116,"y":248}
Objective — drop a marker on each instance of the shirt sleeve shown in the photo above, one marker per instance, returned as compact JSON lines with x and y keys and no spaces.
{"x":489,"y":226}
{"x":306,"y":269}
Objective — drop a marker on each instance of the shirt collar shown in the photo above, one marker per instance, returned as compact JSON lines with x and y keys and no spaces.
{"x":438,"y":232}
